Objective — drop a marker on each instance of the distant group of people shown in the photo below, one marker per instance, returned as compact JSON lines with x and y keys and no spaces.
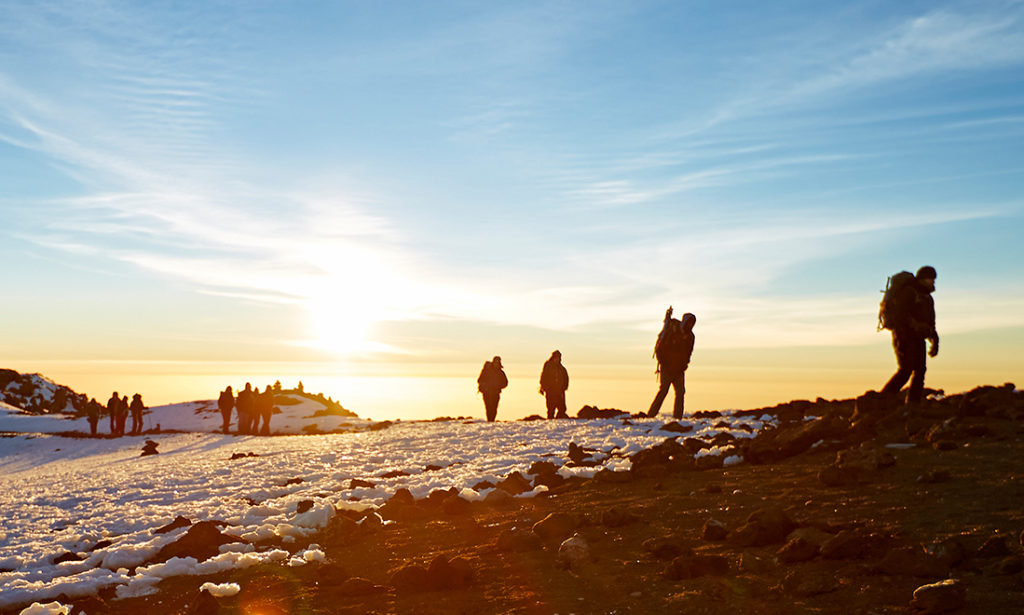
{"x":672,"y":350}
{"x":907,"y":309}
{"x":118,"y":408}
{"x":253,"y":408}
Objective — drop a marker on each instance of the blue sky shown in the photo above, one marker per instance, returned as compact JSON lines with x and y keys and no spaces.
{"x":434,"y":182}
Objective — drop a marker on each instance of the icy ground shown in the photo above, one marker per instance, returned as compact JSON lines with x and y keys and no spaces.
{"x":65,"y":494}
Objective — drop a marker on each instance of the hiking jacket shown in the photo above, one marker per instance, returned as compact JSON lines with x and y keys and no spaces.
{"x":917,"y":317}
{"x":554,"y":378}
{"x":492,"y":378}
{"x":226,"y":401}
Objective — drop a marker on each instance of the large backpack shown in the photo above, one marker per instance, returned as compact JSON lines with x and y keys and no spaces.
{"x":670,"y":340}
{"x":891,"y":312}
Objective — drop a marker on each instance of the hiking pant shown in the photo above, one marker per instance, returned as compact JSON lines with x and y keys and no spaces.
{"x":137,"y":422}
{"x":679,"y":384}
{"x":491,"y":404}
{"x":555,"y":401}
{"x":910,"y":358}
{"x":93,"y":421}
{"x":226,"y":414}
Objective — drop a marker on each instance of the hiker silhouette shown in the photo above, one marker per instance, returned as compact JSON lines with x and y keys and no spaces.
{"x":673,"y":349}
{"x":226,"y":403}
{"x":490,"y":382}
{"x":554,"y":380}
{"x":909,"y":311}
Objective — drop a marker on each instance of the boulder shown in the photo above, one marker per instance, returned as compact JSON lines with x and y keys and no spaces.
{"x":402,"y":496}
{"x":995,"y":546}
{"x":714,"y":530}
{"x":518,"y":539}
{"x":515,"y":483}
{"x":481,"y":485}
{"x":664,"y":548}
{"x":542,"y":468}
{"x":204,"y":604}
{"x":455,"y":507}
{"x":550,"y":481}
{"x":593,"y":412}
{"x":202,"y":541}
{"x":783,"y":442}
{"x":410,"y":578}
{"x":675,"y":427}
{"x":499,"y":497}
{"x":797,"y":550}
{"x":574,"y":552}
{"x":443,"y":574}
{"x":149,"y":448}
{"x":802,"y":584}
{"x":941,"y":597}
{"x":556,"y":527}
{"x":764,"y":526}
{"x":356,"y":483}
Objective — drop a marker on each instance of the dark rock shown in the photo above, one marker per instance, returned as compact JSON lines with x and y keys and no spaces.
{"x":542,"y":468}
{"x":941,"y":597}
{"x":410,"y":578}
{"x":934,"y":476}
{"x":690,"y":566}
{"x":100,"y":545}
{"x":664,"y":548}
{"x":293,"y":481}
{"x":1011,"y":564}
{"x":609,"y":476}
{"x":714,"y":530}
{"x":996,"y":546}
{"x":438,"y":497}
{"x":432,"y":468}
{"x":179,"y":521}
{"x":837,"y":476}
{"x":548,"y":480}
{"x":556,"y":527}
{"x":852,"y":544}
{"x":576,"y":453}
{"x":692,"y":445}
{"x":235,"y":456}
{"x":797,"y":550}
{"x":945,"y":445}
{"x":204,"y":604}
{"x":950,"y":552}
{"x":764,"y":526}
{"x":201,"y":541}
{"x":149,"y":448}
{"x":806,"y":584}
{"x":709,"y":462}
{"x":618,"y":517}
{"x":67,"y":556}
{"x":455,"y":507}
{"x":752,"y":564}
{"x":499,"y":497}
{"x":356,"y":483}
{"x":910,"y":561}
{"x":518,"y":539}
{"x":592,"y":412}
{"x":358,"y":586}
{"x":675,"y":427}
{"x":371,"y":521}
{"x":484,"y":484}
{"x":532,"y":417}
{"x":781,"y":443}
{"x":515,"y":483}
{"x":402,"y":496}
{"x":393,"y":474}
{"x":445,"y":575}
{"x":574,"y":552}
{"x":712,"y":489}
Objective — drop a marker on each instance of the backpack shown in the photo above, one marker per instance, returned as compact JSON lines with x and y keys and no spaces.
{"x":891,"y":312}
{"x":670,"y":340}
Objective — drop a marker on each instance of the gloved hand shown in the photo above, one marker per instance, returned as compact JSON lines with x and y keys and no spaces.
{"x":934,"y":350}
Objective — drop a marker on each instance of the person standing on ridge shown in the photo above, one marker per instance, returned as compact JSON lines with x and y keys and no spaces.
{"x":112,"y":405}
{"x":673,"y":350}
{"x":264,"y":410}
{"x":491,"y":381}
{"x":92,"y":410}
{"x":226,"y":403}
{"x":909,"y":311}
{"x":246,"y":405}
{"x":136,"y":409}
{"x":122,"y":415}
{"x":554,"y":380}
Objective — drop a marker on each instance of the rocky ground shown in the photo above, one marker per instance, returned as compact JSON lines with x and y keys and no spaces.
{"x":869,"y":507}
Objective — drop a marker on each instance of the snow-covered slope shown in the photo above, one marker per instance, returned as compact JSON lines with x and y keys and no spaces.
{"x":62,"y":494}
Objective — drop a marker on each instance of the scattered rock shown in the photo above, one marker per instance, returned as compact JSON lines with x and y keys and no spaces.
{"x":941,"y":597}
{"x":556,"y":527}
{"x":805,"y":584}
{"x":235,"y":456}
{"x":618,"y":517}
{"x":356,"y":483}
{"x":542,"y":468}
{"x":179,"y":521}
{"x":455,"y":506}
{"x":499,"y":497}
{"x":592,"y":412}
{"x":995,"y":546}
{"x":402,"y":496}
{"x":574,"y":552}
{"x":945,"y":445}
{"x":101,"y":545}
{"x":204,"y":604}
{"x":518,"y":539}
{"x":910,"y":561}
{"x":443,"y":574}
{"x":393,"y":474}
{"x":550,"y":481}
{"x":752,"y":564}
{"x":484,"y":484}
{"x":409,"y":578}
{"x":303,"y":506}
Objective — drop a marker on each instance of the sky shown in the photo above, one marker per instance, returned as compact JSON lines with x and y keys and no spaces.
{"x":377,"y":197}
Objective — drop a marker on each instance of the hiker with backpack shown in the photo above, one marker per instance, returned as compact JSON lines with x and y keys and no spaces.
{"x":136,"y":408}
{"x":246,"y":406}
{"x":554,"y":380}
{"x":490,"y":382}
{"x":908,"y":310}
{"x":673,"y":349}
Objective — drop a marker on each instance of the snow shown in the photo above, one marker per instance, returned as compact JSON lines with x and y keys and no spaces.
{"x":67,"y":494}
